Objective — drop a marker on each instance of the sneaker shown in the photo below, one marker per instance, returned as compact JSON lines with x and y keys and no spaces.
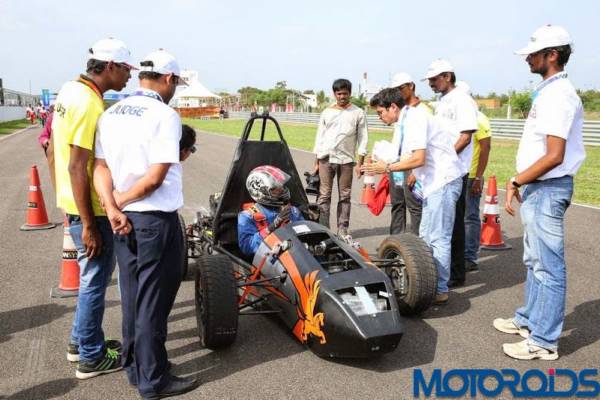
{"x":508,"y":326}
{"x":441,"y":298}
{"x":73,"y":349}
{"x":527,"y":351}
{"x":471,"y":266}
{"x":176,"y":386}
{"x":110,"y":362}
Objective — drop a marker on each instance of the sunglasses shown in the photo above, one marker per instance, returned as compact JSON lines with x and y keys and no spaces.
{"x":124,"y":66}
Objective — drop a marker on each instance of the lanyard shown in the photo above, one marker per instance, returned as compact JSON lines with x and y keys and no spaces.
{"x":91,"y":84}
{"x":148,"y":93}
{"x":402,"y":128}
{"x":543,"y":84}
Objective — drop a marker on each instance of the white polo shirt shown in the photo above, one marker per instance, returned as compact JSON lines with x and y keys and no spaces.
{"x":556,"y":110}
{"x":423,"y":131}
{"x":132,"y":135}
{"x":458,"y":113}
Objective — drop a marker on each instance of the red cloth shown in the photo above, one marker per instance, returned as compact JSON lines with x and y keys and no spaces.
{"x":377,"y":204}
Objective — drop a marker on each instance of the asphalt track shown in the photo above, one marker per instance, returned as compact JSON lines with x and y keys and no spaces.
{"x":266,"y":362}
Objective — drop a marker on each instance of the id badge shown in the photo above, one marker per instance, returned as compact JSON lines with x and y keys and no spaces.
{"x":398,"y":178}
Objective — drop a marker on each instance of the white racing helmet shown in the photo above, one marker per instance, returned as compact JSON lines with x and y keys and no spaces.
{"x":266,"y":185}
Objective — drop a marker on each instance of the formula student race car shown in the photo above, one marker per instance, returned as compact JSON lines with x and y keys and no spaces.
{"x":333,"y":296}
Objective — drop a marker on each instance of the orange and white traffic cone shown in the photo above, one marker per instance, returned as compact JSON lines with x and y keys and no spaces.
{"x":491,"y":233}
{"x":368,"y":190}
{"x":37,"y":218}
{"x":68,"y":285}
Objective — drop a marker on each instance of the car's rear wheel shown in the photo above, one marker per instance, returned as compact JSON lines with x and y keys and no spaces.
{"x":216,"y":301}
{"x":185,"y":262}
{"x":415,"y":277}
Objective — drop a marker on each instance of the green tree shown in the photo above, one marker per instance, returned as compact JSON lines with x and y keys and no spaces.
{"x":321,"y":98}
{"x":521,"y":103}
{"x":359,"y":101}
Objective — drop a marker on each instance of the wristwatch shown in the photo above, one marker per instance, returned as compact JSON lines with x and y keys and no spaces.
{"x":514,"y":182}
{"x":477,"y":178}
{"x":387,"y":169}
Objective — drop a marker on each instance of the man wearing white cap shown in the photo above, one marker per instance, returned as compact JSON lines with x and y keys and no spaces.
{"x":402,"y":182}
{"x":78,"y":106}
{"x":139,"y":178}
{"x":458,"y":113}
{"x":550,"y":154}
{"x":428,"y":151}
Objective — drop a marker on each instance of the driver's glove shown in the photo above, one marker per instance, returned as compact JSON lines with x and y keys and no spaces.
{"x":281,"y":218}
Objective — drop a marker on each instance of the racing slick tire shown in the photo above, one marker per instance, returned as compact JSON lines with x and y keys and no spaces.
{"x":215,"y":292}
{"x":185,"y":262}
{"x":415,"y":282}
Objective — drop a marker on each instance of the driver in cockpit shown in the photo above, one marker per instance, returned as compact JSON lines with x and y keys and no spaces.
{"x":270,"y":210}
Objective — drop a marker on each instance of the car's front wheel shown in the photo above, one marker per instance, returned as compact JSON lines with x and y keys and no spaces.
{"x":216,"y":301}
{"x":415,"y":276}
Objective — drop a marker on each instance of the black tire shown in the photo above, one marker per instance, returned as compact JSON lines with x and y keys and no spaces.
{"x":420,"y":272}
{"x":216,"y":301}
{"x":185,"y":262}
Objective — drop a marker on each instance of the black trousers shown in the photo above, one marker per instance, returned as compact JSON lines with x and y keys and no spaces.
{"x":402,"y":201}
{"x":457,"y":261}
{"x":149,"y":276}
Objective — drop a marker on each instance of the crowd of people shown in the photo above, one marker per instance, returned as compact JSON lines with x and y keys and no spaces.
{"x":118,"y":178}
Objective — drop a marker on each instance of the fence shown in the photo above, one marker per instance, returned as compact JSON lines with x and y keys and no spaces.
{"x":12,"y":113}
{"x":504,"y":128}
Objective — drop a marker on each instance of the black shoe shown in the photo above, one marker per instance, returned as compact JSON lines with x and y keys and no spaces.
{"x":175,"y":387}
{"x":472,"y":266}
{"x":110,"y":362}
{"x":169,"y":367}
{"x":456,"y":283}
{"x":73,"y":349}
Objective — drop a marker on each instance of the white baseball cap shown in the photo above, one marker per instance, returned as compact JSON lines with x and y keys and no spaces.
{"x":161,"y":62}
{"x":111,"y":49}
{"x":400,"y":79}
{"x":464,"y":86}
{"x":544,"y":37}
{"x":437,"y":67}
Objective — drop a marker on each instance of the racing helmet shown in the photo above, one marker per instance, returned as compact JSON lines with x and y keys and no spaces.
{"x":266,"y":185}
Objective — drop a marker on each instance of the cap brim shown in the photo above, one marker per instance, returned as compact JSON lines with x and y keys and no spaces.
{"x":134,"y":68}
{"x":525,"y":51}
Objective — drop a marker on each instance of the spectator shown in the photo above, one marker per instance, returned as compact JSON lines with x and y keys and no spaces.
{"x":78,"y":106}
{"x":144,"y":169}
{"x":45,"y":140}
{"x":482,"y":144}
{"x":429,"y":152}
{"x":458,"y":113}
{"x":402,"y":182}
{"x":272,"y":208}
{"x":549,"y":155}
{"x":342,"y":129}
{"x":187,"y":144}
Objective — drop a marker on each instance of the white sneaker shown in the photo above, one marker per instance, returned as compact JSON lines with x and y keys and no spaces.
{"x":525,"y":351}
{"x":508,"y":326}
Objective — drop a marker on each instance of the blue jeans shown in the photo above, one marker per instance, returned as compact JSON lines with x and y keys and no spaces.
{"x":543,"y":211}
{"x":437,"y":223}
{"x":94,"y":277}
{"x":472,"y":224}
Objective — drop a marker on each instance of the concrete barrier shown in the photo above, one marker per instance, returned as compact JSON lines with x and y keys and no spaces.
{"x":12,"y":113}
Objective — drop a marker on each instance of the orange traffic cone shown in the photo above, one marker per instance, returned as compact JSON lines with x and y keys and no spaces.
{"x":368,"y":190}
{"x":491,"y":233}
{"x":37,"y":218}
{"x":68,"y":285}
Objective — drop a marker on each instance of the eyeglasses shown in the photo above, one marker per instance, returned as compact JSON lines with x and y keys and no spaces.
{"x":193,"y":149}
{"x":124,"y":66}
{"x":379,"y":112}
{"x":176,"y":80}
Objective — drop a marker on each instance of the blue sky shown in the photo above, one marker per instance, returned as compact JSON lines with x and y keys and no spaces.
{"x":236,"y":43}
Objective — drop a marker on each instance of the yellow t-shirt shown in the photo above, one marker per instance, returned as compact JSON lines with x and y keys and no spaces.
{"x":483,"y":131}
{"x":76,"y":112}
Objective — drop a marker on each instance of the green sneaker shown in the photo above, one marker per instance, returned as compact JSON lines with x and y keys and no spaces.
{"x":110,"y":362}
{"x":73,"y":349}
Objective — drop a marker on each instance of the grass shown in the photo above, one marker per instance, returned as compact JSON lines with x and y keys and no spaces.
{"x":501,"y":164}
{"x":12,"y":126}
